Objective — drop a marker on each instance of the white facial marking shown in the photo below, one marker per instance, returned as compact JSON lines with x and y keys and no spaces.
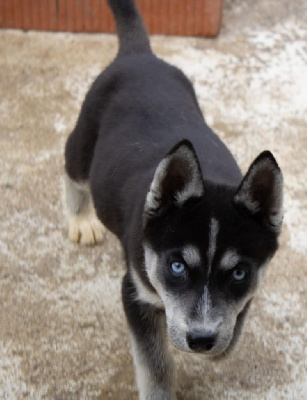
{"x":191,"y":256}
{"x":174,"y":309}
{"x":229,"y":260}
{"x":213,"y":231}
{"x":143,"y":293}
{"x":205,"y":304}
{"x":151,"y":265}
{"x":207,"y":319}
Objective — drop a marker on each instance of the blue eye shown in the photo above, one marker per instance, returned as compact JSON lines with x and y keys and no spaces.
{"x":178,"y":268}
{"x":239,"y":275}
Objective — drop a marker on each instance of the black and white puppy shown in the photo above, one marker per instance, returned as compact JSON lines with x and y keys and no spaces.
{"x":197,"y":236}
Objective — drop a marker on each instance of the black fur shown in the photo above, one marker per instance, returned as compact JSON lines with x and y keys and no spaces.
{"x":131,"y":31}
{"x":136,"y":111}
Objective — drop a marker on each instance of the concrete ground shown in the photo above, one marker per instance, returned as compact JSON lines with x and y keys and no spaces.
{"x":63,"y":334}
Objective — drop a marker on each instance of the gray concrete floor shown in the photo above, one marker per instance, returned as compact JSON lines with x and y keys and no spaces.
{"x":63,"y":333}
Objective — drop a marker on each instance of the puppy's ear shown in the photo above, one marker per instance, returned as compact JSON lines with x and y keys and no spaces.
{"x":261,"y":191}
{"x":177,"y":178}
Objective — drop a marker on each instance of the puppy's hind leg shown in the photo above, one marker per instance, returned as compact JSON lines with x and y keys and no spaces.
{"x":83,"y":224}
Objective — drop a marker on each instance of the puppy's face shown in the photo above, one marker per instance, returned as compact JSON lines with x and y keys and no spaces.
{"x":206,"y":248}
{"x":205,"y":275}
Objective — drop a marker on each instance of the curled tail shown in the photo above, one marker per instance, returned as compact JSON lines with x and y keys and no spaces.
{"x":132,"y":34}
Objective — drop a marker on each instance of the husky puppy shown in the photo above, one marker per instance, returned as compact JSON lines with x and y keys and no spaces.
{"x":197,"y":236}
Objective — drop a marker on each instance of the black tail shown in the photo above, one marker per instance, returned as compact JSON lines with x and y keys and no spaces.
{"x":132,"y":34}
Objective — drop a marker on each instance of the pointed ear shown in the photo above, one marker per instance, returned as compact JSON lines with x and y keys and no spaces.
{"x":177,"y":178}
{"x":261,"y":191}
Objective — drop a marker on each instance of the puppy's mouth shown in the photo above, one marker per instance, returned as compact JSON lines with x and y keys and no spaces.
{"x":215,"y":352}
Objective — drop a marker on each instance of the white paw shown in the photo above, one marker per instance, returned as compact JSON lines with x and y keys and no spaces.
{"x":85,"y":228}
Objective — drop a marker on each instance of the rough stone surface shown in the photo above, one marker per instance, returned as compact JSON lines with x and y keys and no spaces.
{"x":63,"y":333}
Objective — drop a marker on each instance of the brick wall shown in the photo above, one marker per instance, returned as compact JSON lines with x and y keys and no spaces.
{"x":173,"y":17}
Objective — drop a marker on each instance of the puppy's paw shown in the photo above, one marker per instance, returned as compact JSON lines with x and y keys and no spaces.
{"x":85,"y":228}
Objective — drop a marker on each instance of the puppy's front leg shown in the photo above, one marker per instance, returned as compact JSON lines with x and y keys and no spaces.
{"x":153,"y":362}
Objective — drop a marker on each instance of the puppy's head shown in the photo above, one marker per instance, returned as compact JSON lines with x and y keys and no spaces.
{"x":207,"y":246}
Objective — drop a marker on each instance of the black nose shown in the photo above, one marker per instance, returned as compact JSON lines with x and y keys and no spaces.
{"x":200,"y":341}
